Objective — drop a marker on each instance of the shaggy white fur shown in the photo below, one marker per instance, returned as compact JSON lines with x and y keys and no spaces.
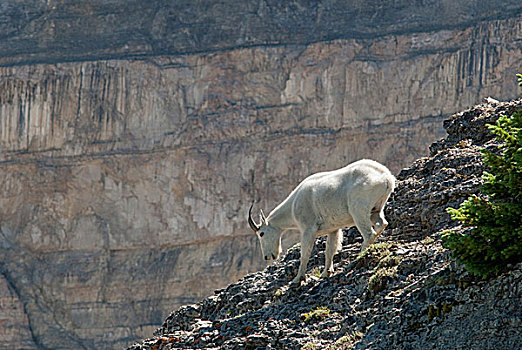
{"x":323,"y":204}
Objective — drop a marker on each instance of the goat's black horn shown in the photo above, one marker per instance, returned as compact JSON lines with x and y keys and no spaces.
{"x":251,"y":222}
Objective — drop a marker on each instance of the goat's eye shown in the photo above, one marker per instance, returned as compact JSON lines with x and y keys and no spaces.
{"x":261,"y":234}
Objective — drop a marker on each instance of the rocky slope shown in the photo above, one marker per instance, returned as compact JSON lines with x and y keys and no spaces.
{"x":405,"y":292}
{"x":133,"y":138}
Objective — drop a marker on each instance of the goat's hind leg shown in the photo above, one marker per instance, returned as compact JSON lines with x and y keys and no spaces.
{"x":377,"y":218}
{"x":365,"y":227}
{"x":379,"y":223}
{"x":334,"y":242}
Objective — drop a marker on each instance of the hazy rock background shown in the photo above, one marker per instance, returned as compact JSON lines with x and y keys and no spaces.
{"x":404,"y":292}
{"x":133,"y":137}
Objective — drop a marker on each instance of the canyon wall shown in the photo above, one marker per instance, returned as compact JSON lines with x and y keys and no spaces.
{"x":33,"y":31}
{"x":126,"y":168}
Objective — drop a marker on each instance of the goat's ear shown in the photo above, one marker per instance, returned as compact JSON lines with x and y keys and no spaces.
{"x":262,"y":217}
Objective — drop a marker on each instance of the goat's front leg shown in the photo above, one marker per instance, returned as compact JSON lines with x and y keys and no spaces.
{"x":307,"y":244}
{"x":333,"y":244}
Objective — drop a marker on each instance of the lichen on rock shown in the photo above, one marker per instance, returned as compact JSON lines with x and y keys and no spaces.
{"x":428,"y":301}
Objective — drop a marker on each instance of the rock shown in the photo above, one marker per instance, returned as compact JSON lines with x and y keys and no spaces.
{"x":428,"y":300}
{"x":133,"y":138}
{"x":40,"y":31}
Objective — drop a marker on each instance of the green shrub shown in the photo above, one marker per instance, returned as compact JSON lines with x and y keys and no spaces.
{"x":494,"y":216}
{"x":320,"y":313}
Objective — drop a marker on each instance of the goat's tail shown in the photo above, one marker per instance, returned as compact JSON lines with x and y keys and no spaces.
{"x":390,"y":183}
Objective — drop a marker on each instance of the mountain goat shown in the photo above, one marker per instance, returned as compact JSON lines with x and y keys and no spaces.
{"x":323,"y":204}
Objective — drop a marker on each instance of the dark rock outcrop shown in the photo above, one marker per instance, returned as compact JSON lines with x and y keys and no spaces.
{"x":36,"y":31}
{"x":405,"y":292}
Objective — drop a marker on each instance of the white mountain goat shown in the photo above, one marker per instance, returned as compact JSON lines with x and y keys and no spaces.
{"x":323,"y":204}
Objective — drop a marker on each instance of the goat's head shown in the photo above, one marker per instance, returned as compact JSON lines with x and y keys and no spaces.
{"x":269,"y":236}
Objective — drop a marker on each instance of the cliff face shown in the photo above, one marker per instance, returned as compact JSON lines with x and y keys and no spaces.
{"x":53,"y":31}
{"x":404,"y":292}
{"x":124,"y":182}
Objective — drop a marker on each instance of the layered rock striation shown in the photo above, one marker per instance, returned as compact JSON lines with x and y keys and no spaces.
{"x":36,"y":31}
{"x":133,"y":139}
